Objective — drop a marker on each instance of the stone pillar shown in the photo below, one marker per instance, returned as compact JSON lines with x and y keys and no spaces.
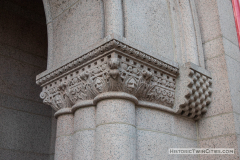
{"x":84,"y":130}
{"x":115,"y":126}
{"x":63,"y":146}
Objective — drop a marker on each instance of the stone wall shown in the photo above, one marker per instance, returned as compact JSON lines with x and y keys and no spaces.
{"x":220,"y":126}
{"x":25,"y":123}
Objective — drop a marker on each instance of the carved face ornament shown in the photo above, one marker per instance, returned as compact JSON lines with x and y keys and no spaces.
{"x":58,"y":101}
{"x":99,"y":85}
{"x":131,"y":84}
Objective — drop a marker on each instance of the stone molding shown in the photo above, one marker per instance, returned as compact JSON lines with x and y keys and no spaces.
{"x":126,"y":72}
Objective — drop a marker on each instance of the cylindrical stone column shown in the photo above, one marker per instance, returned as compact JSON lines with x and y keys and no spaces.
{"x":113,"y":17}
{"x":115,"y":126}
{"x":63,"y":146}
{"x":84,"y":131}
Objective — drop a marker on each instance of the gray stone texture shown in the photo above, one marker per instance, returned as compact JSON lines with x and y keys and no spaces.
{"x":148,"y":24}
{"x":152,"y":145}
{"x":115,"y":133}
{"x":64,"y":137}
{"x":75,"y":29}
{"x":220,"y":127}
{"x":84,"y":133}
{"x":25,"y":123}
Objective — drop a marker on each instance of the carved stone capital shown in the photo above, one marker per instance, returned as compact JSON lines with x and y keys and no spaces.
{"x":117,"y":67}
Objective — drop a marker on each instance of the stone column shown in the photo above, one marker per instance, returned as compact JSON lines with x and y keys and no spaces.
{"x":84,"y":130}
{"x":115,"y":126}
{"x":63,"y":146}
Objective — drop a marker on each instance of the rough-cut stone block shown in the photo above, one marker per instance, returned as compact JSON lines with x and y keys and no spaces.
{"x":216,"y":126}
{"x":84,"y":118}
{"x":220,"y":142}
{"x":17,"y":127}
{"x":84,"y":145}
{"x":116,"y":142}
{"x":115,"y":110}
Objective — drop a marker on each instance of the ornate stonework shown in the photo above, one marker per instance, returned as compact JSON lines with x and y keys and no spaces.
{"x":194,"y":91}
{"x":116,"y":67}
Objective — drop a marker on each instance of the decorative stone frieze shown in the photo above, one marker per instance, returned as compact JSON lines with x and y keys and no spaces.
{"x":116,"y":67}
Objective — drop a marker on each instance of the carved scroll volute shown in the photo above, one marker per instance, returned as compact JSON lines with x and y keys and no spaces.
{"x":57,"y":97}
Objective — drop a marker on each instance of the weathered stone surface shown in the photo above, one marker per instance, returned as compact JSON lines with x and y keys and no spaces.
{"x":148,"y":24}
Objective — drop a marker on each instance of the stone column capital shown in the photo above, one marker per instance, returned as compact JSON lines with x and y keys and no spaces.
{"x":115,"y":69}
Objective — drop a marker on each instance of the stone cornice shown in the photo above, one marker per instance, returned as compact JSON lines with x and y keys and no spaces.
{"x":97,"y":52}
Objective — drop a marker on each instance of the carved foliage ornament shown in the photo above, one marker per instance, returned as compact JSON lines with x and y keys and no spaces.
{"x":111,"y":73}
{"x":121,"y":70}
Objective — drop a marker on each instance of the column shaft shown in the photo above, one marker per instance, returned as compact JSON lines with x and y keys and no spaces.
{"x":84,"y":132}
{"x":63,"y":147}
{"x":115,"y":131}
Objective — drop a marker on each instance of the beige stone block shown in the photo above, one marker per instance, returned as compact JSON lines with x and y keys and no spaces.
{"x":84,"y":118}
{"x":221,"y":97}
{"x":115,"y":142}
{"x":220,"y":142}
{"x":216,"y":126}
{"x":115,"y":111}
{"x":208,"y":17}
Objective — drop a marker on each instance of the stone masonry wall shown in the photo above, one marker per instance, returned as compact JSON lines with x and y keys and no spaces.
{"x":25,"y":122}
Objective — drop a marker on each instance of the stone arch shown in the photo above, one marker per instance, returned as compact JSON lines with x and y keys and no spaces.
{"x":25,"y":122}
